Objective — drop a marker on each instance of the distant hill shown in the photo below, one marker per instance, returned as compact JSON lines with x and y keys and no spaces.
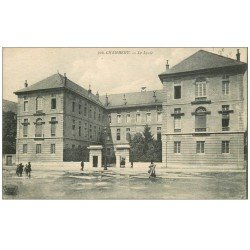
{"x":9,"y":106}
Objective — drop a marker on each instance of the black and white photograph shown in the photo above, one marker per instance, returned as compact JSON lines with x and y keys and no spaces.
{"x":125,"y":123}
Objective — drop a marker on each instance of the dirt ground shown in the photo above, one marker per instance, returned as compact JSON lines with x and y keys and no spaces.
{"x":113,"y":184}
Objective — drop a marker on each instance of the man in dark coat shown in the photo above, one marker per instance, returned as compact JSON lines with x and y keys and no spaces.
{"x":82,"y":165}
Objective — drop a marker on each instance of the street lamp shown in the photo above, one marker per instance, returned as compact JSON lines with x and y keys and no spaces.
{"x":105,"y":148}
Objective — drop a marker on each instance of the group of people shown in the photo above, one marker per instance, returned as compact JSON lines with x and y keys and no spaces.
{"x":151,"y":170}
{"x":20,"y":168}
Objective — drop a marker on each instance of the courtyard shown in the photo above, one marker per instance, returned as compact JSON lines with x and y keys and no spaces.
{"x":126,"y":183}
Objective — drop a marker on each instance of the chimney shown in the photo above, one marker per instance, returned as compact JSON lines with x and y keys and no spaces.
{"x":167,"y":65}
{"x":97,"y":95}
{"x":107,"y":100}
{"x":238,"y":55}
{"x":26,"y":84}
{"x":89,"y":91}
{"x":155,"y":96}
{"x":124,"y":99}
{"x":65,"y":79}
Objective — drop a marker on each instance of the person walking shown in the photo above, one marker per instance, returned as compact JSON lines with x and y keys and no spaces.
{"x":82,"y":165}
{"x":151,"y":170}
{"x":29,"y":169}
{"x":21,"y":170}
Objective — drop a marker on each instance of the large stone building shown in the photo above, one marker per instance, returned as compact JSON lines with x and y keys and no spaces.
{"x":55,"y":117}
{"x":203,"y":111}
{"x":199,"y":115}
{"x":130,"y":112}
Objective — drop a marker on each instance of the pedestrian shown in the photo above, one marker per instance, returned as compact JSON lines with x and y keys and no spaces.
{"x":132,"y":164}
{"x":17,"y":170}
{"x":151,"y":170}
{"x":82,"y":165}
{"x":29,"y":169}
{"x":26,"y":169}
{"x":20,"y":170}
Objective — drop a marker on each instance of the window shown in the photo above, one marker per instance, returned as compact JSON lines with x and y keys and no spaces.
{"x":52,"y":148}
{"x":177,"y":124}
{"x":225,"y":147}
{"x":118,"y":118}
{"x":25,"y":106}
{"x":225,"y":84}
{"x":159,"y":133}
{"x":177,"y":110}
{"x":73,"y":106}
{"x":90,"y":111}
{"x":38,"y":148}
{"x":86,"y":130}
{"x":159,"y":116}
{"x":80,"y":109}
{"x":201,"y":88}
{"x":53,"y":103}
{"x":225,"y":88}
{"x":25,"y":127}
{"x":85,"y":109}
{"x":225,"y":122}
{"x":73,"y":127}
{"x":177,"y":147}
{"x":39,"y":128}
{"x":225,"y":107}
{"x":128,"y":134}
{"x":53,"y":126}
{"x":118,"y":134}
{"x":128,"y":120}
{"x":148,"y":117}
{"x":200,"y":147}
{"x":39,"y":103}
{"x":80,"y":129}
{"x":25,"y":148}
{"x":90,"y":131}
{"x":73,"y":146}
{"x":94,"y":113}
{"x":200,"y":119}
{"x":95,"y":133}
{"x":225,"y":118}
{"x":177,"y":92}
{"x":138,"y":118}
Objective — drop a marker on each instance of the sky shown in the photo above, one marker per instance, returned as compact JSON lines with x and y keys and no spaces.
{"x":98,"y":67}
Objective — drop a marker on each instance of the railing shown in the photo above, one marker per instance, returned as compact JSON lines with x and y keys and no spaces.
{"x":201,"y":129}
{"x":225,"y":128}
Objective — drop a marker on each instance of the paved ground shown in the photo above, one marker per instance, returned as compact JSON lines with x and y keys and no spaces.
{"x":127,"y":184}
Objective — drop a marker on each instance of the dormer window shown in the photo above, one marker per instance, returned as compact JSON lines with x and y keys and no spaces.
{"x":200,"y":88}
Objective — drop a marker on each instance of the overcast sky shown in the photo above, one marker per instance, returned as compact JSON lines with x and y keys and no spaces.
{"x":105,"y":72}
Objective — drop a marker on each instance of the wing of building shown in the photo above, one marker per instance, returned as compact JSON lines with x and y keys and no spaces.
{"x":203,"y":111}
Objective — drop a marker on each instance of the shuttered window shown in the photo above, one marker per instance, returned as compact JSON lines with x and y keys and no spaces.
{"x":52,"y":148}
{"x":39,"y":127}
{"x":201,"y":89}
{"x":39,"y":103}
{"x":177,"y":124}
{"x":38,"y":148}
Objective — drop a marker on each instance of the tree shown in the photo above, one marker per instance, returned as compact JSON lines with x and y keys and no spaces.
{"x":143,"y":147}
{"x":9,"y":132}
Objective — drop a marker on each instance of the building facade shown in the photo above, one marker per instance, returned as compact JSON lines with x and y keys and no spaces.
{"x":203,"y":111}
{"x":57,"y":118}
{"x":199,"y":116}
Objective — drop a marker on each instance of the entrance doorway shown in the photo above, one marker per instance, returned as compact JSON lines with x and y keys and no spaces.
{"x":95,"y":161}
{"x":9,"y":160}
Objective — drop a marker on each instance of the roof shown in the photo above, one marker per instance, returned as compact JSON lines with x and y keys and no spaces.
{"x":9,"y":106}
{"x":202,"y":60}
{"x":134,"y":99}
{"x":58,"y":81}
